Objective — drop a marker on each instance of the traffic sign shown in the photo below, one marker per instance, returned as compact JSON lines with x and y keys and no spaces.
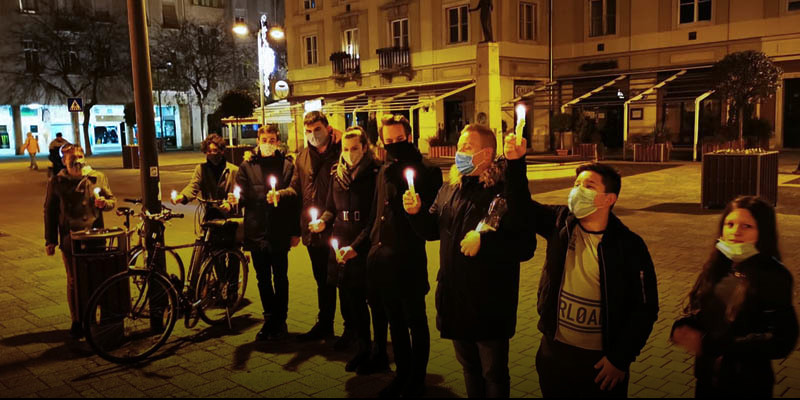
{"x":75,"y":104}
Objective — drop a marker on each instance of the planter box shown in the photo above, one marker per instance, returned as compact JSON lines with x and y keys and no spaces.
{"x":442,"y":151}
{"x":727,"y":176}
{"x":746,"y":143}
{"x":588,"y":151}
{"x":657,"y":152}
{"x":235,"y":154}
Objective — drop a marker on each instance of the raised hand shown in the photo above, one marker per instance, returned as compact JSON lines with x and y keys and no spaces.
{"x":411,"y":202}
{"x":512,"y":150}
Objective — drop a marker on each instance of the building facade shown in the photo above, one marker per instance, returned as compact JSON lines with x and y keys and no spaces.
{"x":363,"y":56}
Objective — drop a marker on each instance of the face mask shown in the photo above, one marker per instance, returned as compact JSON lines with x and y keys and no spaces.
{"x":352,"y":157}
{"x":267,"y":149}
{"x":467,"y":164}
{"x":318,"y":139}
{"x":401,"y":151}
{"x":581,"y":201}
{"x":737,"y":252}
{"x":215,"y":159}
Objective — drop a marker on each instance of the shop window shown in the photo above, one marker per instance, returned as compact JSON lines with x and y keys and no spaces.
{"x":458,"y":21}
{"x":400,"y":33}
{"x":311,"y":49}
{"x":603,"y":17}
{"x":527,"y":21}
{"x":694,"y":11}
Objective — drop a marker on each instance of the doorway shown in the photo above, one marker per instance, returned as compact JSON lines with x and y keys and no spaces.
{"x":791,"y":114}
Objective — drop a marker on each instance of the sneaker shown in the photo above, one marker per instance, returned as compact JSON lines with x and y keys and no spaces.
{"x":318,"y":332}
{"x":278,"y":331}
{"x":76,"y":331}
{"x":376,"y":364}
{"x":348,"y":339}
{"x":394,"y":389}
{"x":264,"y":333}
{"x":356,"y":362}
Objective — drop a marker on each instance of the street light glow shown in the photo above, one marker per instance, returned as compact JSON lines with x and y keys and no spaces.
{"x":277,"y":33}
{"x":241,"y":29}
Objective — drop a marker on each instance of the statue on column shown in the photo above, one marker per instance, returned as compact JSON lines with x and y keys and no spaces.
{"x":486,"y":7}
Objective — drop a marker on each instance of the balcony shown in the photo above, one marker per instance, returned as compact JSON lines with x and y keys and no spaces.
{"x":395,"y":61}
{"x":345,"y":67}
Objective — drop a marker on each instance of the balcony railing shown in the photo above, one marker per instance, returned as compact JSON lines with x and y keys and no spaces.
{"x":394,"y":61}
{"x":345,"y":66}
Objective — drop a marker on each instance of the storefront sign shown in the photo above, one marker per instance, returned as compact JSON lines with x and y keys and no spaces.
{"x":522,"y":88}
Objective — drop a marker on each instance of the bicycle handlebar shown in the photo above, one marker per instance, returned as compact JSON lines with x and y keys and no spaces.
{"x":133,"y":201}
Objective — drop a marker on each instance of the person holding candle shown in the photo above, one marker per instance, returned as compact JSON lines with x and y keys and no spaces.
{"x":485,"y":235}
{"x":73,"y":203}
{"x":397,"y":263}
{"x":740,"y":311}
{"x":270,"y":231}
{"x":311,"y":183}
{"x":598,"y":297}
{"x":348,"y":208}
{"x":211,"y":180}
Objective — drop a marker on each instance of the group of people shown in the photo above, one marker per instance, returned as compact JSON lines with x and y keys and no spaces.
{"x":365,"y":223}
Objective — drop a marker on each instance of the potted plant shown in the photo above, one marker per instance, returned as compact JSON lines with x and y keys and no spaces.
{"x":237,"y":104}
{"x":589,"y":139}
{"x":439,"y":147}
{"x":757,"y":132}
{"x":653,"y":147}
{"x":560,"y":123}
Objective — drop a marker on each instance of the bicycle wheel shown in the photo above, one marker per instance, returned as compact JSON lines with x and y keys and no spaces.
{"x":221,"y":285}
{"x":130,"y":316}
{"x":138,"y":260}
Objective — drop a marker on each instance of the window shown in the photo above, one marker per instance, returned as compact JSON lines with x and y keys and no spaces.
{"x":209,"y":3}
{"x":72,"y":64}
{"x":28,"y":6}
{"x":309,"y":4}
{"x":400,"y":33}
{"x":603,"y":14}
{"x":31,"y":50}
{"x":311,"y":50}
{"x":102,"y":8}
{"x":527,"y":21}
{"x":458,"y":21}
{"x":794,"y":5}
{"x":169,"y":15}
{"x":240,"y":16}
{"x":694,"y":11}
{"x":350,"y":42}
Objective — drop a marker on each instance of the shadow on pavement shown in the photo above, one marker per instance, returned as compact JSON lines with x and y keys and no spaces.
{"x":368,"y":386}
{"x":70,"y":349}
{"x":302,"y":351}
{"x":680,"y":208}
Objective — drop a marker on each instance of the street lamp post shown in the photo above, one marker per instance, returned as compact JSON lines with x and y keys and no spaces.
{"x":266,"y":56}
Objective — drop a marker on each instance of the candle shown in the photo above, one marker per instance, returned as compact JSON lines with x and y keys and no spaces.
{"x":335,"y":245}
{"x":174,"y":195}
{"x":272,"y":182}
{"x":520,"y":120}
{"x":97,"y":193}
{"x":410,"y":179}
{"x":237,"y":192}
{"x":314,"y":214}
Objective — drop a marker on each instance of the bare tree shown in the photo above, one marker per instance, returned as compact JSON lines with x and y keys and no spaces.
{"x":68,"y":54}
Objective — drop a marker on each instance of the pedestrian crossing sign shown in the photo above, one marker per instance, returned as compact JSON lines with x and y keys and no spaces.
{"x":75,"y":104}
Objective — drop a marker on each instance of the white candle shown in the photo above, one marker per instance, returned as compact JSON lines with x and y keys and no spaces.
{"x":335,"y":245}
{"x":520,"y":119}
{"x":410,"y":179}
{"x":174,"y":195}
{"x":272,"y":182}
{"x":314,"y":214}
{"x":237,"y":192}
{"x":97,"y":193}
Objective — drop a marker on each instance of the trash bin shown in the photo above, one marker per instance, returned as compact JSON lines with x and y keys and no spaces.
{"x":99,"y":254}
{"x":130,"y":156}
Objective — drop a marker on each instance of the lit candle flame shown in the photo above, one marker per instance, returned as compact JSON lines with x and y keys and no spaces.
{"x":520,"y":120}
{"x":272,"y":182}
{"x":174,"y":195}
{"x":335,"y":245}
{"x":237,"y":192}
{"x":410,"y":179}
{"x":97,"y":192}
{"x":314,"y":214}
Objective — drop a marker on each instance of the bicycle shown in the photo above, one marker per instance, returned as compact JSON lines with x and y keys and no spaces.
{"x":132,"y":314}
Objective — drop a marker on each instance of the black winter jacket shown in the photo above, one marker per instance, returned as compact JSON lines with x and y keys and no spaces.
{"x":477,"y":297}
{"x":736,"y":355}
{"x":628,"y":287}
{"x":397,"y":263}
{"x":311,"y":182}
{"x":348,"y":211}
{"x":265,"y":226}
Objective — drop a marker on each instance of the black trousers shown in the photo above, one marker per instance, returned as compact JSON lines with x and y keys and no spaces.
{"x":272,"y":267}
{"x":359,"y":305}
{"x":485,"y":366}
{"x":411,"y":339}
{"x":326,"y":291}
{"x":567,"y":371}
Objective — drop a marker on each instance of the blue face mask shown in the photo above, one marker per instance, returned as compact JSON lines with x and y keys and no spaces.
{"x":581,"y":201}
{"x":737,"y":252}
{"x":464,"y":163}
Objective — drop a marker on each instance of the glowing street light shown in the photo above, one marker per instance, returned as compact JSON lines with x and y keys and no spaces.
{"x":277,"y":33}
{"x":241,"y":29}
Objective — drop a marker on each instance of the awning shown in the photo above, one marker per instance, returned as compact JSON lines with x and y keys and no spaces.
{"x":534,"y":95}
{"x":640,"y":97}
{"x":606,"y":93}
{"x":686,"y":87}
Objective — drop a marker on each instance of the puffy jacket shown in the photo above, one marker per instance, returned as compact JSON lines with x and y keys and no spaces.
{"x":205,"y":185}
{"x":477,"y":297}
{"x":69,"y":205}
{"x":311,"y":182}
{"x":629,"y":293}
{"x":266,"y":226}
{"x":397,"y":263}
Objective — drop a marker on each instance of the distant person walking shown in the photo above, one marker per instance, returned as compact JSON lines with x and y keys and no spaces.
{"x":32,"y":146}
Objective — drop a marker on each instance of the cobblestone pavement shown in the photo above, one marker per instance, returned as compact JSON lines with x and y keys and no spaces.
{"x":37,"y":358}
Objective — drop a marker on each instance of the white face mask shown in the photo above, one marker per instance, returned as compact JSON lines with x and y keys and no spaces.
{"x":267,"y":149}
{"x":352,"y":157}
{"x":737,"y":252}
{"x":581,"y":201}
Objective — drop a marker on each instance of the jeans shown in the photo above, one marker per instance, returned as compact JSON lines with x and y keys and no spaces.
{"x":33,"y":162}
{"x":269,"y":267}
{"x":326,"y":291}
{"x":485,"y":366}
{"x":411,"y":339}
{"x":567,"y":371}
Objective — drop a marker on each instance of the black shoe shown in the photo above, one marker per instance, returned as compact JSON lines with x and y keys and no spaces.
{"x":278,"y":331}
{"x":376,"y":364}
{"x":394,"y":389}
{"x":348,"y":339}
{"x":414,"y":389}
{"x":356,"y":362}
{"x":318,"y":332}
{"x":76,"y":331}
{"x":264,"y":333}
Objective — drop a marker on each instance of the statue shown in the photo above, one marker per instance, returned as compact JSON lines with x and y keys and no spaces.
{"x":486,"y":19}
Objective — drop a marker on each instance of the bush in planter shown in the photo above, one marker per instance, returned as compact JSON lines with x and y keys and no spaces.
{"x":760,"y":130}
{"x":560,"y":123}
